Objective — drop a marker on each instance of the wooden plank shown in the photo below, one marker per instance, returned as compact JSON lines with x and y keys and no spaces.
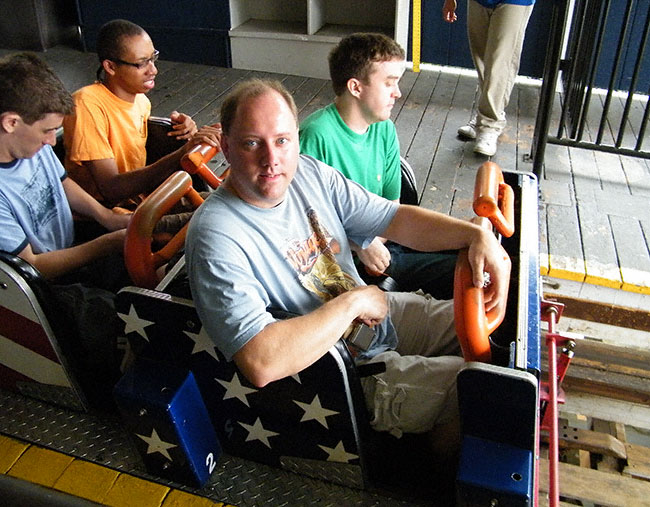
{"x":557,"y":165}
{"x":638,"y":462}
{"x":463,"y":106}
{"x":506,"y":155}
{"x":174,"y":83}
{"x":308,"y":90}
{"x":585,"y":175}
{"x":410,"y":115}
{"x":454,"y":164}
{"x":609,"y":463}
{"x":637,"y":175}
{"x":438,"y":189}
{"x":543,"y":502}
{"x":610,"y":170}
{"x":528,"y":101}
{"x":293,"y":83}
{"x":612,"y":358}
{"x":606,"y":313}
{"x":601,"y":488}
{"x":206,"y":103}
{"x":609,"y":385}
{"x":588,"y":440}
{"x":633,"y":254}
{"x":543,"y":242}
{"x":566,"y":259}
{"x":321,"y":99}
{"x":424,"y":150}
{"x":601,"y":260}
{"x":194,"y":84}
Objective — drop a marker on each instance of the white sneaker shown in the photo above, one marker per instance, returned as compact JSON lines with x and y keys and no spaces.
{"x":486,"y":143}
{"x":469,"y":130}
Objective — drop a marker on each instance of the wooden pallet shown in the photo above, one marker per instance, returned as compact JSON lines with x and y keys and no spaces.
{"x":599,"y":467}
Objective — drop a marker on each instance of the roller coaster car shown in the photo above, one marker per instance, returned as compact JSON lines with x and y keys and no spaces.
{"x":38,"y":343}
{"x":315,"y":422}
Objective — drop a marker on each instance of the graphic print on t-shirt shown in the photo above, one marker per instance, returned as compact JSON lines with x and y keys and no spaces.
{"x":314,"y":260}
{"x":40,"y":200}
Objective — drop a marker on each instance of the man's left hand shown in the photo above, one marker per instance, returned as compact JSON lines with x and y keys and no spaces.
{"x":486,"y":255}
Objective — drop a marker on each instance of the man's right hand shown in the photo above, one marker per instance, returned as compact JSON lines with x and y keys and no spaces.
{"x":369,"y":303}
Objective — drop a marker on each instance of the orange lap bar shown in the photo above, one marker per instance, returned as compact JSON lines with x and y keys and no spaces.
{"x":140,"y":261}
{"x":195,"y":162}
{"x":494,"y":200}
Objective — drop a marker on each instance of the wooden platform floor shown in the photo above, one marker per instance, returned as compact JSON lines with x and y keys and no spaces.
{"x":594,"y":213}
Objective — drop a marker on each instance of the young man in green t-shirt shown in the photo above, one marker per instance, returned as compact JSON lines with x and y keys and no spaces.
{"x":355,"y":135}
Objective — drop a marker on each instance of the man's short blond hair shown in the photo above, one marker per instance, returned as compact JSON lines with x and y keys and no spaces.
{"x":251,"y":89}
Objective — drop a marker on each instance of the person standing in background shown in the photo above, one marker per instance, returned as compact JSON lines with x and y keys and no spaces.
{"x":496,"y":30}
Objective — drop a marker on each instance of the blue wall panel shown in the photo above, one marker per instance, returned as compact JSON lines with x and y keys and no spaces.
{"x":446,"y":44}
{"x":194,"y":31}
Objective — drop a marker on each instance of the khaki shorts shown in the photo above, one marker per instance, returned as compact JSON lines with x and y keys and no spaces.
{"x":418,"y":389}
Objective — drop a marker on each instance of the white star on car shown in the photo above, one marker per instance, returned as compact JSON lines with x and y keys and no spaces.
{"x":202,"y":342}
{"x":135,"y":323}
{"x":315,"y":411}
{"x":234,"y":389}
{"x":338,"y":454}
{"x":157,"y":445}
{"x":257,"y":432}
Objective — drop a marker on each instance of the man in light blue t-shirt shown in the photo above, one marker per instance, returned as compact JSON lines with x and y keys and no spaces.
{"x":36,"y":204}
{"x":276,"y":235}
{"x":36,"y":197}
{"x":355,"y":135}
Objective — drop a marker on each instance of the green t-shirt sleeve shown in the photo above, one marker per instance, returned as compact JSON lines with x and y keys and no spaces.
{"x":312,"y":143}
{"x":393,"y":175}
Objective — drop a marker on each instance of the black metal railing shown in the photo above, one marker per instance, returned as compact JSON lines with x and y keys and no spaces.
{"x":605,"y":76}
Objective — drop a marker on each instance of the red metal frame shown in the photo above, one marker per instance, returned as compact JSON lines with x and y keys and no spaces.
{"x":551,"y":393}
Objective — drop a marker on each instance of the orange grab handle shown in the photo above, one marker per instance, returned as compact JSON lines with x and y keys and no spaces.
{"x":473,"y":324}
{"x":195,"y":162}
{"x":494,"y":199}
{"x":140,"y":261}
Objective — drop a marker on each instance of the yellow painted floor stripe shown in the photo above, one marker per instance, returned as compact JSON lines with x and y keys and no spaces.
{"x":543,"y":264}
{"x":90,"y":481}
{"x":87,"y":480}
{"x":29,"y":466}
{"x":565,"y":268}
{"x":129,"y":490}
{"x":10,"y":451}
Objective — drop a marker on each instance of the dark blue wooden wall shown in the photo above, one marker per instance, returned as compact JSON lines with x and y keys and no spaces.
{"x":189,"y":31}
{"x":446,"y":44}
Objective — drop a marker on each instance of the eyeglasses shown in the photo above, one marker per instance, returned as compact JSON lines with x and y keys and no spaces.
{"x":141,"y":64}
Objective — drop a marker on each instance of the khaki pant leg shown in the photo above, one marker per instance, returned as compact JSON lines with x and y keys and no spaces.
{"x":418,"y":389}
{"x":496,"y":40}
